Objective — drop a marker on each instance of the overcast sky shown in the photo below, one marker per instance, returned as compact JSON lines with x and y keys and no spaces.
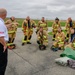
{"x":40,"y":8}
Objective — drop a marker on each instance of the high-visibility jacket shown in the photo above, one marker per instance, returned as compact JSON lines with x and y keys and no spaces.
{"x":25,"y":25}
{"x":43,"y":25}
{"x":68,"y":26}
{"x":55,"y":26}
{"x":14,"y":26}
{"x":60,"y":37}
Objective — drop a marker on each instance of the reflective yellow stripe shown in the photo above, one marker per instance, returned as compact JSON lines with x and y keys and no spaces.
{"x":60,"y":40}
{"x":67,"y":38}
{"x":26,"y":30}
{"x":44,"y":36}
{"x":54,"y":29}
{"x":22,"y":28}
{"x":74,"y":44}
{"x":46,"y":40}
{"x":28,"y":40}
{"x":24,"y":41}
{"x":10,"y":32}
{"x":61,"y":43}
{"x":42,"y":25}
{"x":38,"y":37}
{"x":31,"y":29}
{"x":58,"y":37}
{"x":8,"y":44}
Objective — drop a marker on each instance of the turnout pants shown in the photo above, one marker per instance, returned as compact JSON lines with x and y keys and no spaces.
{"x":27,"y":35}
{"x":3,"y":60}
{"x":12,"y":37}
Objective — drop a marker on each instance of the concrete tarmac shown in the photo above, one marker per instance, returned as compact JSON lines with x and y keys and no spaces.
{"x":29,"y":60}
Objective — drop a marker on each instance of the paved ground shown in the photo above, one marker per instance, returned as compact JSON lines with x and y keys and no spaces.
{"x":29,"y":60}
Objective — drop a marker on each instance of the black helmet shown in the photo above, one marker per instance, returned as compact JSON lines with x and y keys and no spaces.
{"x":57,"y":18}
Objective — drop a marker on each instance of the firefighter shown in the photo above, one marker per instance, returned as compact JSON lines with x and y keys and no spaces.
{"x":55,"y":27}
{"x":59,"y":40}
{"x":71,"y":44}
{"x":27,"y":28}
{"x":42,"y":38}
{"x":12,"y":31}
{"x":44,"y":26}
{"x":70,"y":28}
{"x":67,"y":26}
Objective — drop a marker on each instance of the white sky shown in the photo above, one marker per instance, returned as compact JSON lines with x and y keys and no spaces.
{"x":40,"y":8}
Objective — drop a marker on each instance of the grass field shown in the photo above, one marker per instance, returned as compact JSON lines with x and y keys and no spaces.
{"x":49,"y":22}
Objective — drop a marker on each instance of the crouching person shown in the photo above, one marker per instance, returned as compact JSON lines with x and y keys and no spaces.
{"x":71,"y":44}
{"x":42,"y":39}
{"x":59,"y":40}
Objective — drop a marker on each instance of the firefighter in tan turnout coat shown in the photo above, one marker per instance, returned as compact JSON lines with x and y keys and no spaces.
{"x":43,"y":25}
{"x":27,"y":28}
{"x":55,"y":27}
{"x":12,"y":30}
{"x":59,"y":40}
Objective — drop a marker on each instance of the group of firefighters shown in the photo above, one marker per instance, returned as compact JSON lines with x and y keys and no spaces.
{"x":41,"y":31}
{"x":63,"y":39}
{"x":60,"y":38}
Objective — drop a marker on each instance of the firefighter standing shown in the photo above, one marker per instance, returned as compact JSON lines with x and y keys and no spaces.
{"x":12,"y":30}
{"x":55,"y":27}
{"x":27,"y":28}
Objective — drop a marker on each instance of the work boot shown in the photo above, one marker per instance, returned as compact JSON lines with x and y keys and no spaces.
{"x":53,"y":38}
{"x":9,"y":40}
{"x":30,"y":37}
{"x":42,"y":47}
{"x":25,"y":38}
{"x":28,"y":42}
{"x":38,"y":42}
{"x":22,"y":44}
{"x":13,"y":40}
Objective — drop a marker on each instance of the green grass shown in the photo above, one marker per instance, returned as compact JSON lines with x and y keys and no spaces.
{"x":50,"y":33}
{"x":49,"y":22}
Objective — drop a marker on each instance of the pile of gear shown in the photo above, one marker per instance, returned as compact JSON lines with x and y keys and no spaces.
{"x":67,"y":58}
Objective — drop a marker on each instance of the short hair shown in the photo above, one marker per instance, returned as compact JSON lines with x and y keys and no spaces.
{"x":2,"y":11}
{"x":57,"y":18}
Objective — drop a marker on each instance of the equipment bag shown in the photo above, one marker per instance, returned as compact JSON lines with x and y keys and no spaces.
{"x":62,"y":61}
{"x":71,"y":63}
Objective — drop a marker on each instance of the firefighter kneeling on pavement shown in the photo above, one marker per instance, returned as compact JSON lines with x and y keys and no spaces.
{"x":59,"y":40}
{"x":12,"y":32}
{"x":27,"y":28}
{"x":71,"y":44}
{"x":42,"y":39}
